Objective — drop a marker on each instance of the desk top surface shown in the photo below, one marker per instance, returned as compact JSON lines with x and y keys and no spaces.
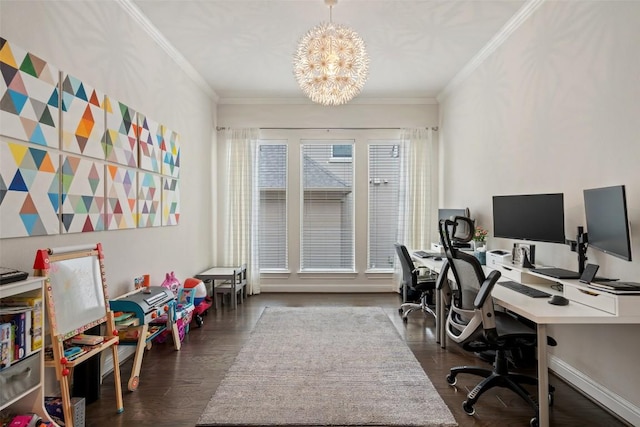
{"x":538,"y":309}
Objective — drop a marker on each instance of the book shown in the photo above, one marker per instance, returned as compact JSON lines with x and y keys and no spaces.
{"x":6,"y":346}
{"x":36,"y":321}
{"x":121,"y":316}
{"x":132,"y":321}
{"x":18,"y":324}
{"x":84,"y":339}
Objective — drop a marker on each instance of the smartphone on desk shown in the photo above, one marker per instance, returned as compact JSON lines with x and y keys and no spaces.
{"x":589,"y":273}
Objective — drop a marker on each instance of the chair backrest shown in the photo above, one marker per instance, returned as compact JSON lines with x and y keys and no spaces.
{"x":471,"y":313}
{"x":409,"y":273}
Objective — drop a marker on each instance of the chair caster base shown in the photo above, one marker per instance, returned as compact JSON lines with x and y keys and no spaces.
{"x":468,"y":409}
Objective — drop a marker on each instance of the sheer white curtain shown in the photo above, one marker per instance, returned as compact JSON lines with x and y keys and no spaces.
{"x":416,"y":227}
{"x":241,"y":204}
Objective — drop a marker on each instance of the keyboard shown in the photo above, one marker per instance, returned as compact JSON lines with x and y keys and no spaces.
{"x":557,"y":273}
{"x":525,"y":290}
{"x":9,"y":275}
{"x":425,"y":254}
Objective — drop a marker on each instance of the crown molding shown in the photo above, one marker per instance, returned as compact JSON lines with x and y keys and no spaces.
{"x":306,"y":101}
{"x":505,"y":32}
{"x":164,"y":44}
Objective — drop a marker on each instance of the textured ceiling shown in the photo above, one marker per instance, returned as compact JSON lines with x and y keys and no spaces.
{"x":244,"y":49}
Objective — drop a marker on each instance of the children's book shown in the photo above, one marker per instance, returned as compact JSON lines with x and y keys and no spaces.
{"x":6,"y":346}
{"x":35,"y":327}
{"x":84,"y":339}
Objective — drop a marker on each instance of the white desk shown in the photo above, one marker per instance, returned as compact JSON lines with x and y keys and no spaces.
{"x":543,"y":314}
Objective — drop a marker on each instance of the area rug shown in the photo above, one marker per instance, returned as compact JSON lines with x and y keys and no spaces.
{"x":326,"y":366}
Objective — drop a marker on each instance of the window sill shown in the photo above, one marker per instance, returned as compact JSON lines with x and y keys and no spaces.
{"x":340,"y":274}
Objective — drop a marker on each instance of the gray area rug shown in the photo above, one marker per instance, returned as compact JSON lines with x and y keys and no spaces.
{"x":326,"y":366}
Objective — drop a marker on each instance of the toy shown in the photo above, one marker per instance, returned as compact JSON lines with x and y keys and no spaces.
{"x":182,"y":310}
{"x":31,"y":420}
{"x":170,"y":282}
{"x":201,"y":301}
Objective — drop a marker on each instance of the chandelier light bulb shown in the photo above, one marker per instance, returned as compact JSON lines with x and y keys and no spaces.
{"x":331,"y":63}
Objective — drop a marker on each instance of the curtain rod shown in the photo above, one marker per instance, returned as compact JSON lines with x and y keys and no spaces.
{"x":435,"y":128}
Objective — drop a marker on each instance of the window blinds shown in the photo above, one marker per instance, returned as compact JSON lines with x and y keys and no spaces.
{"x":327,"y":213}
{"x":272,"y":215}
{"x":384,"y":181}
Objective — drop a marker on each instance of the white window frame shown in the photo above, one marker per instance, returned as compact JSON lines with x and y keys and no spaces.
{"x":263,"y":142}
{"x":325,"y":142}
{"x":394,"y":152}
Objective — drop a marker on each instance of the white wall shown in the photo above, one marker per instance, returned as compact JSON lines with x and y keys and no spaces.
{"x":555,"y":109}
{"x":102,"y":45}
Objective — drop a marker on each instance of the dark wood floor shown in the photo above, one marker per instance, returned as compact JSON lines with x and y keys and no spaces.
{"x":175,"y":386}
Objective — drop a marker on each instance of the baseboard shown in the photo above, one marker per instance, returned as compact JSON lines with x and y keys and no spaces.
{"x":328,"y":288}
{"x":124,"y":353}
{"x":605,"y":397}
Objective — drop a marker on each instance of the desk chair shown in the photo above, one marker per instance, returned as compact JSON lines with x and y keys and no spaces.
{"x":423,"y":284}
{"x":473,"y":323}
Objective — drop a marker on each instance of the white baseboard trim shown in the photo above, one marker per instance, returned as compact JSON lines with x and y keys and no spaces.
{"x":328,"y":288}
{"x":124,"y":352}
{"x":605,"y":397}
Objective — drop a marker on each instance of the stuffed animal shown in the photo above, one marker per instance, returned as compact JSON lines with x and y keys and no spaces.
{"x":171,"y":283}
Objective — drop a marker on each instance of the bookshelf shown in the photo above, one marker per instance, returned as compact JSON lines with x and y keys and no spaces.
{"x":22,"y":382}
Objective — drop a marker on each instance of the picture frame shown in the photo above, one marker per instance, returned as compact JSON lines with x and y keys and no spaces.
{"x":523,"y":254}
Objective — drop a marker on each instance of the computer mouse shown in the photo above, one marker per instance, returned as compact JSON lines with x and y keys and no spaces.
{"x":438,"y":258}
{"x":558,"y":300}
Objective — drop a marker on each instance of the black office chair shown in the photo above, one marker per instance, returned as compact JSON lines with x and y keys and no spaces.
{"x":473,"y":323}
{"x":423,"y":285}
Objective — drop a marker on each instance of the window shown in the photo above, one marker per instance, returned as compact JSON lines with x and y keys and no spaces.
{"x":327,"y":212}
{"x":341,"y":152}
{"x":272,"y":225}
{"x":384,"y":180}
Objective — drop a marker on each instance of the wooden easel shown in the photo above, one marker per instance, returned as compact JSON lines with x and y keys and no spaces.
{"x":77,"y":300}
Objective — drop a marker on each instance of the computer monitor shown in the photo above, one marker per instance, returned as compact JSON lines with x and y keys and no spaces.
{"x":607,"y":221}
{"x":461,"y":229}
{"x":535,"y":217}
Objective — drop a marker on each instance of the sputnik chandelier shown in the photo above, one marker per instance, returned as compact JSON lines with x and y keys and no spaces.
{"x":331,"y":64}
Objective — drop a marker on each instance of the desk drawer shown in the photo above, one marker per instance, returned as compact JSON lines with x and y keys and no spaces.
{"x":516,"y":273}
{"x":19,"y":377}
{"x":591,"y":297}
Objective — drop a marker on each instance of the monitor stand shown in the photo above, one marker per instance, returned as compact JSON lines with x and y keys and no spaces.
{"x":580,"y":246}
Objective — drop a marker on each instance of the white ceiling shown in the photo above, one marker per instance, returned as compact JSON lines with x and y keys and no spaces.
{"x":244,"y":48}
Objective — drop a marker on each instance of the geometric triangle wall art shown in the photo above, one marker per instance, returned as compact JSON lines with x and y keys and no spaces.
{"x":83,"y":201}
{"x":83,"y":118}
{"x":170,"y":201}
{"x":149,"y":198}
{"x":29,"y":96}
{"x":121,"y":198}
{"x":29,"y":190}
{"x":120,"y":140}
{"x":170,"y":153}
{"x":149,"y":143}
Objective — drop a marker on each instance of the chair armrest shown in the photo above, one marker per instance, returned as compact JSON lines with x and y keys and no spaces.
{"x":486,"y":288}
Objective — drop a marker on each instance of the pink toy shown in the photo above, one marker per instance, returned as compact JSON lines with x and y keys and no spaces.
{"x":183,"y":314}
{"x":31,"y":420}
{"x":171,"y":283}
